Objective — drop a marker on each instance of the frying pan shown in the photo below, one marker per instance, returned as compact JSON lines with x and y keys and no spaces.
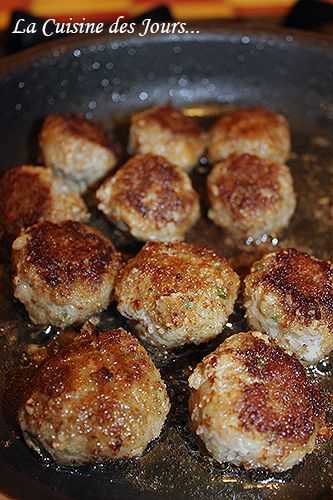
{"x":110,"y":77}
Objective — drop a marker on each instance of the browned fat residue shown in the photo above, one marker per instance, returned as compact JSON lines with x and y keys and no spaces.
{"x":171,"y":119}
{"x":282,"y":400}
{"x":153,"y":187}
{"x":68,"y":252}
{"x":24,"y":199}
{"x":248,"y":183}
{"x":304,"y":283}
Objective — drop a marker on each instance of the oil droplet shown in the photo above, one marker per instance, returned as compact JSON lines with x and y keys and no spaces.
{"x":143,"y":96}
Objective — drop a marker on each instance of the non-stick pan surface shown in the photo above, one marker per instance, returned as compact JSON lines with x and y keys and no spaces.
{"x":105,"y":78}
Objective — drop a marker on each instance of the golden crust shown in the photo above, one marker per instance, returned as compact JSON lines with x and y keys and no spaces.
{"x":253,"y":404}
{"x":173,"y":267}
{"x":250,"y":195}
{"x":75,"y":126}
{"x":166,"y":131}
{"x":98,"y":398}
{"x":245,"y":184}
{"x":25,"y":195}
{"x":152,"y":197}
{"x":30,"y":194}
{"x":178,"y":293}
{"x":282,"y":400}
{"x":64,"y":273}
{"x":67,"y":253}
{"x":77,"y":149}
{"x":302,"y":284}
{"x":250,"y":130}
{"x":169,"y":118}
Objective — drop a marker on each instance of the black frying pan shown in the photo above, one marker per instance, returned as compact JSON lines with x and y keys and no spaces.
{"x":104,"y":77}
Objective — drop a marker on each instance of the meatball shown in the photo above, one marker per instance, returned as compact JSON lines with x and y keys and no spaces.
{"x":289,"y":295}
{"x":255,"y":131}
{"x":77,"y":149}
{"x":166,"y":131}
{"x":97,"y":399}
{"x":30,"y":194}
{"x":151,"y":197}
{"x":63,"y":273}
{"x":250,"y":196}
{"x":252,"y":404}
{"x":177,"y":293}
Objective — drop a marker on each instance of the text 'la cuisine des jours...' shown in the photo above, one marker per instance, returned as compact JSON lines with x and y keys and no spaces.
{"x":51,"y":27}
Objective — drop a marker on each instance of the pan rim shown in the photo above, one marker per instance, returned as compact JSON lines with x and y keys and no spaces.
{"x":233,"y":32}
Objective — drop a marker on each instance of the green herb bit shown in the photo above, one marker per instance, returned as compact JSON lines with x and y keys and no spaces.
{"x":221,"y":292}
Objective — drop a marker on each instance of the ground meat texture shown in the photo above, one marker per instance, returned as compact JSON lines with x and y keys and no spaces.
{"x":99,"y":398}
{"x":30,"y":194}
{"x":289,"y":295}
{"x":166,"y":131}
{"x":256,"y":131}
{"x":177,"y":293}
{"x":250,"y":196}
{"x":253,"y":404}
{"x":76,"y":149}
{"x":150,"y":197}
{"x":63,"y":273}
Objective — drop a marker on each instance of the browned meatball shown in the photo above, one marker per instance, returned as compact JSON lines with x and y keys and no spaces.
{"x":289,"y":295}
{"x":166,"y":131}
{"x":254,"y":405}
{"x":256,"y":131}
{"x":63,"y":273}
{"x":77,"y":149}
{"x":177,"y":293}
{"x":250,"y":196}
{"x":99,"y":398}
{"x":30,"y":194}
{"x":151,"y":197}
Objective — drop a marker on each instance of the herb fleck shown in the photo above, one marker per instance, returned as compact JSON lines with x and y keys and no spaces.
{"x":221,"y":292}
